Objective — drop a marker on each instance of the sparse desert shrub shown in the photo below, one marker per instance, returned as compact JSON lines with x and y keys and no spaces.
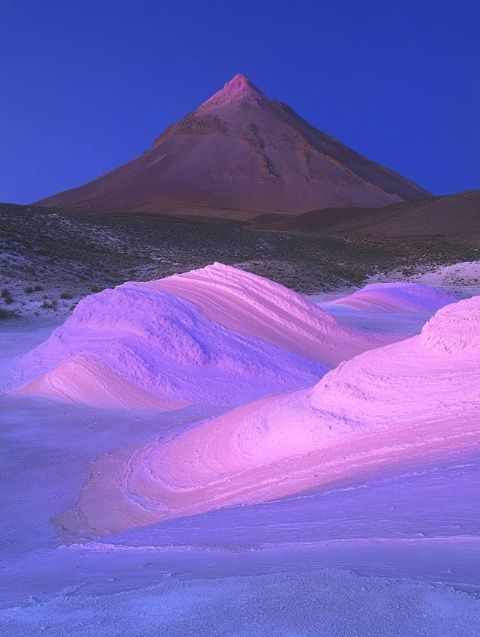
{"x":28,"y":289}
{"x":65,"y":295}
{"x":6,"y":296}
{"x":49,"y":305}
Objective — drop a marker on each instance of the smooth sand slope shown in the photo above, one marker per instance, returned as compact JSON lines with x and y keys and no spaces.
{"x":372,"y":471}
{"x":253,"y":305}
{"x":400,"y":298}
{"x":148,"y":343}
{"x":418,"y":398}
{"x":217,"y":336}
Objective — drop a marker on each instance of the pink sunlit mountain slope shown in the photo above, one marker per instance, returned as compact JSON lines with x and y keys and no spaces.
{"x":236,"y":155}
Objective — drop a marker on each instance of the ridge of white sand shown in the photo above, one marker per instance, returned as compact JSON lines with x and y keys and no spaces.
{"x":436,"y":373}
{"x":269,"y":311}
{"x":401,"y":296}
{"x":217,"y":336}
{"x":83,"y":380}
{"x":419,"y":397}
{"x":162,"y":345}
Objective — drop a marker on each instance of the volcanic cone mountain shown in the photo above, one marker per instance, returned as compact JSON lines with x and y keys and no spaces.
{"x":237,"y":155}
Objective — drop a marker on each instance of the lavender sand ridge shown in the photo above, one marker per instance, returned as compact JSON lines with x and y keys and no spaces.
{"x":241,"y":433}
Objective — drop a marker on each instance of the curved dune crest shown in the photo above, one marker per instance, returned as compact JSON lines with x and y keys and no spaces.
{"x":85,"y":381}
{"x":400,"y":383}
{"x":187,"y":339}
{"x":455,"y":329}
{"x":397,"y":297}
{"x":266,"y":310}
{"x":378,"y":409}
{"x":151,"y":343}
{"x":435,"y":373}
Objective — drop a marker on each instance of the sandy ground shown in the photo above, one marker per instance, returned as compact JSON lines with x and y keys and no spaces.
{"x":391,"y":552}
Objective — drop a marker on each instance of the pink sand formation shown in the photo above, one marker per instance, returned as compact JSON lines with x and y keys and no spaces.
{"x":435,"y":374}
{"x":85,"y":381}
{"x":397,"y":297}
{"x":455,"y":329}
{"x":217,"y":335}
{"x":127,"y":490}
{"x":378,"y":409}
{"x":159,"y":345}
{"x":266,"y":310}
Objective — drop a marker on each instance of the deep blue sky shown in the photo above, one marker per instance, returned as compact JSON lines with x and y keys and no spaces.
{"x":87,"y":85}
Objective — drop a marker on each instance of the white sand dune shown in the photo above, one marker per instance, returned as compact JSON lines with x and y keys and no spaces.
{"x":158,"y":344}
{"x":400,"y":297}
{"x":416,"y":398}
{"x":379,"y":460}
{"x":85,"y":381}
{"x":389,"y":308}
{"x":217,"y":336}
{"x":266,"y":310}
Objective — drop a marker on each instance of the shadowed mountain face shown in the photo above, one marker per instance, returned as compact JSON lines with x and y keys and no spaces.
{"x":450,"y":216}
{"x":237,"y":155}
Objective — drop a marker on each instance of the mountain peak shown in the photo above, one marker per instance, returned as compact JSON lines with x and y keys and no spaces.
{"x":244,"y":153}
{"x":239,"y":83}
{"x":240,"y":87}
